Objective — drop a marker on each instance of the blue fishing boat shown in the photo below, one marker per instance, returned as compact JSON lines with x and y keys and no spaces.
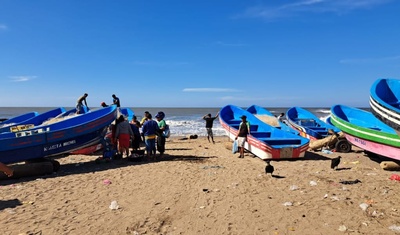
{"x":308,"y":124}
{"x":385,"y":101}
{"x":364,"y":130}
{"x":37,"y":120}
{"x":56,"y":138}
{"x":266,"y":116}
{"x":5,"y":125}
{"x":127,"y":112}
{"x":264,"y":141}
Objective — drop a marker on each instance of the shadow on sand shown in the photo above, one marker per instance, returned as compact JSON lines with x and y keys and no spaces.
{"x":12,"y":203}
{"x":95,"y":166}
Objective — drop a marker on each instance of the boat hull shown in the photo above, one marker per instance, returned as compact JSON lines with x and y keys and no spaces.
{"x":127,"y":112}
{"x":266,"y":142}
{"x":374,"y":147}
{"x":56,"y":139}
{"x":364,"y":130}
{"x":385,"y":102}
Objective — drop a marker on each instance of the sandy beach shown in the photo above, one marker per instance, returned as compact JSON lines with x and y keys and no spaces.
{"x":202,"y":188}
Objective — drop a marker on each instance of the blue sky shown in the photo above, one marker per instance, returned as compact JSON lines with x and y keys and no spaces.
{"x":159,"y":53}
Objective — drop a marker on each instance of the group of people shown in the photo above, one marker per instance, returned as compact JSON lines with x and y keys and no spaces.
{"x":128,"y":135}
{"x":152,"y":132}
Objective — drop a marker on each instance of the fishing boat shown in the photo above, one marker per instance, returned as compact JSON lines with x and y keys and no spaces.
{"x":127,"y":112}
{"x":266,"y":116}
{"x":5,"y":125}
{"x":38,"y":120}
{"x":364,"y":130}
{"x":56,"y":138}
{"x":385,"y":101}
{"x":308,"y":124}
{"x":264,"y":141}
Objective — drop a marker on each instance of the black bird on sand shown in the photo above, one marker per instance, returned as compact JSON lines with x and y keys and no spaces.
{"x":335,"y":162}
{"x":269,"y":168}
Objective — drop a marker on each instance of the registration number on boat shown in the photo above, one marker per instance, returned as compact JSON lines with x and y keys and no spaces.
{"x":286,"y":152}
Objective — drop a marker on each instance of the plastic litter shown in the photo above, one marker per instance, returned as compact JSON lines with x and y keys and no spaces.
{"x":293,"y":187}
{"x":364,"y":206}
{"x":394,"y":228}
{"x":114,"y":205}
{"x":350,"y":181}
{"x":235,"y":147}
{"x":313,"y":183}
{"x":395,"y":177}
{"x":342,"y":228}
{"x":288,"y":204}
{"x":326,"y":151}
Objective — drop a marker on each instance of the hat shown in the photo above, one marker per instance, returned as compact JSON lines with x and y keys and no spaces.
{"x":160,"y":115}
{"x":243,"y":116}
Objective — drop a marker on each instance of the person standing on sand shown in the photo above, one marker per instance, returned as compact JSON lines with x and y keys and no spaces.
{"x":6,"y":169}
{"x":149,"y":129}
{"x":209,"y":124}
{"x":136,"y":136}
{"x":160,"y":137}
{"x":123,"y":133}
{"x":244,"y":130}
{"x":116,"y":101}
{"x":144,"y":119}
{"x":79,"y":103}
{"x":135,"y":121}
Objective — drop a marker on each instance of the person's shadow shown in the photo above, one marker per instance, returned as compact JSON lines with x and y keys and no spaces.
{"x":9,"y":204}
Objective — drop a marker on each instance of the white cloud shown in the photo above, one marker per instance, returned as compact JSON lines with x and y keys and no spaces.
{"x":22,"y":78}
{"x":209,"y":90}
{"x":3,"y":27}
{"x":369,"y":60}
{"x":310,"y":6}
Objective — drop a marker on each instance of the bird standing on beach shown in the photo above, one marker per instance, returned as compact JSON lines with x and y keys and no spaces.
{"x":335,"y":162}
{"x":269,"y":168}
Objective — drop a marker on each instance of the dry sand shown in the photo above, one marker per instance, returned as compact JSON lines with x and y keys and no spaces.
{"x":202,"y":188}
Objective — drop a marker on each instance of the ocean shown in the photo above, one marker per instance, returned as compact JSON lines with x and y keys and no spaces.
{"x":182,"y":121}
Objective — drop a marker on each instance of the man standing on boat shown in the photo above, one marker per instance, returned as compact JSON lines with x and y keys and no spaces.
{"x":116,"y":100}
{"x":79,"y":103}
{"x":209,"y":124}
{"x":244,"y":130}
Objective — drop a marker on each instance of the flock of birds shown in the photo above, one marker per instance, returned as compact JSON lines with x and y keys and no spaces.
{"x":269,"y":169}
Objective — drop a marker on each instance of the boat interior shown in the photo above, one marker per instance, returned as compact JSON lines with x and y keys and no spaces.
{"x":267,"y":136}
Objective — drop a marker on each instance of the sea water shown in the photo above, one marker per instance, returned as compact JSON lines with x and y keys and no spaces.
{"x":182,"y":121}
